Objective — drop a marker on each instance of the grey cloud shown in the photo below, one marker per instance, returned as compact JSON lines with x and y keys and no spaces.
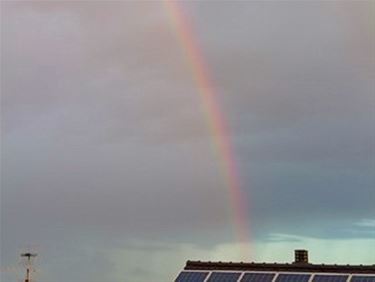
{"x":104,"y":137}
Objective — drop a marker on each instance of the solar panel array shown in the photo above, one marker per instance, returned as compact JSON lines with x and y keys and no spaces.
{"x":227,"y":276}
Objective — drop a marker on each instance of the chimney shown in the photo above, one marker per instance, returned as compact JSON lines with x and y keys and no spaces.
{"x":301,"y":256}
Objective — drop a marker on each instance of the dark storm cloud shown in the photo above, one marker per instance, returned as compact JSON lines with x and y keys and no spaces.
{"x":297,"y":82}
{"x":84,"y":91}
{"x":104,"y":139}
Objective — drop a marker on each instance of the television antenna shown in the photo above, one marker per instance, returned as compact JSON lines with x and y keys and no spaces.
{"x":28,"y":264}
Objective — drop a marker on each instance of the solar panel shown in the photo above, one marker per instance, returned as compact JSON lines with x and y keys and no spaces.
{"x":363,"y":278}
{"x":257,"y":277}
{"x":224,"y":277}
{"x":191,"y":276}
{"x":330,"y":278}
{"x":283,"y":277}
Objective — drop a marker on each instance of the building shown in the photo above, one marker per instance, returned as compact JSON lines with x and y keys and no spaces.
{"x":298,"y":271}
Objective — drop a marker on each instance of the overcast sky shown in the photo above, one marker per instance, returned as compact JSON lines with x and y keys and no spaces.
{"x":107,"y":168}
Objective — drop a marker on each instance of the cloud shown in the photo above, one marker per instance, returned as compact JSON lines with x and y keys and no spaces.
{"x":170,"y":258}
{"x":276,"y":237}
{"x":329,"y":251}
{"x":366,"y":222}
{"x":104,"y":139}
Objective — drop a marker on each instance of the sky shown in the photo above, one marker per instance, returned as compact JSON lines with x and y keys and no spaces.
{"x":108,"y":166}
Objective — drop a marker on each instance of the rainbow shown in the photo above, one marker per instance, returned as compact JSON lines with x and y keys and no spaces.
{"x":216,"y":122}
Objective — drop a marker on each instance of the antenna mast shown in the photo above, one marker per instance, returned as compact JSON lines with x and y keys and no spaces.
{"x":28,"y":257}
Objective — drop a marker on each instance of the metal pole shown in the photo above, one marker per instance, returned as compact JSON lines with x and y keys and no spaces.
{"x":27,"y":275}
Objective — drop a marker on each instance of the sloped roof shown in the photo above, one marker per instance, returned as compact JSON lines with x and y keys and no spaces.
{"x":280,"y":267}
{"x":298,"y":271}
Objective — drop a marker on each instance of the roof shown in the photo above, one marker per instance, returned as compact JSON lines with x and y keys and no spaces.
{"x":258,"y":276}
{"x":280,"y":267}
{"x":298,"y":271}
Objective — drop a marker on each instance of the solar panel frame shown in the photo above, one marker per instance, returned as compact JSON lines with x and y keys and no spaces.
{"x":224,"y":276}
{"x":258,"y":277}
{"x":330,"y":277}
{"x":192,"y":276}
{"x":362,"y":278}
{"x":293,"y":277}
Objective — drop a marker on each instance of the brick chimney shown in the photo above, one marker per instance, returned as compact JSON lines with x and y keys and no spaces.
{"x":301,"y":256}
